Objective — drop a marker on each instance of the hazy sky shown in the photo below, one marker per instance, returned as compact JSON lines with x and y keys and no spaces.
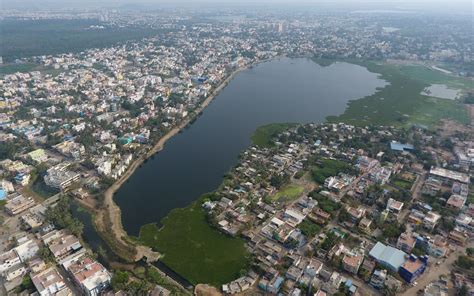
{"x":462,"y":5}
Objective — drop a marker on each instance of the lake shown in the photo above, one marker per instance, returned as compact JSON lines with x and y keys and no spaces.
{"x":194,"y":161}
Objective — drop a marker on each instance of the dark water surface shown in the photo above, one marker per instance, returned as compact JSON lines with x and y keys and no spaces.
{"x":194,"y":161}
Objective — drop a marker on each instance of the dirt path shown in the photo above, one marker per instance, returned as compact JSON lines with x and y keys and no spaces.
{"x":435,"y":271}
{"x":108,"y":219}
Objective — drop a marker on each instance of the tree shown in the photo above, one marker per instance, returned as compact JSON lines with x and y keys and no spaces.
{"x":45,"y":254}
{"x":470,"y":251}
{"x":61,"y":217}
{"x":119,"y":280}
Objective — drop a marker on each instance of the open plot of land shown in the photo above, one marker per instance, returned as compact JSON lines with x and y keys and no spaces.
{"x":401,"y":101}
{"x":194,"y":249}
{"x":263,"y":135}
{"x":402,"y":184}
{"x":288,"y":193}
{"x":432,"y":76}
{"x":327,"y":168}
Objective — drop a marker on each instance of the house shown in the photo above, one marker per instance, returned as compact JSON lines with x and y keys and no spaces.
{"x":388,"y":256}
{"x":61,"y":243}
{"x":406,"y":242}
{"x":394,"y":206}
{"x":413,"y":268}
{"x":438,"y":247}
{"x":89,"y":275}
{"x":378,"y":279}
{"x":8,"y":260}
{"x":364,"y":225}
{"x":367,"y":268}
{"x":456,"y":202}
{"x":430,"y":220}
{"x":458,"y":237}
{"x":352,"y":262}
{"x":38,"y":156}
{"x":313,"y":268}
{"x":50,"y":282}
{"x":19,"y":204}
{"x":319,"y":216}
{"x":27,"y":250}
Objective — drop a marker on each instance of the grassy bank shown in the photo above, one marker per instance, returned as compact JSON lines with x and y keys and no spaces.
{"x":263,"y":136}
{"x":195,"y":250}
{"x":401,"y":101}
{"x":288,"y":193}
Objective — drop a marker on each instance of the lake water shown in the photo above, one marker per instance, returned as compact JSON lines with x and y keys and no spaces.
{"x":194,"y":161}
{"x":441,"y":91}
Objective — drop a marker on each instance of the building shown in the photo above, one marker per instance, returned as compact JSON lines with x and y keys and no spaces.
{"x":413,"y":268}
{"x":8,"y":260}
{"x":458,"y":237}
{"x":448,"y":176}
{"x":436,"y":288}
{"x":394,"y":206}
{"x":406,"y":242}
{"x":430,"y":220}
{"x":49,"y":282}
{"x":456,"y":202}
{"x":396,"y":146}
{"x":388,"y":256}
{"x":19,"y":204}
{"x":38,"y":156}
{"x":27,"y":250}
{"x":352,"y":262}
{"x":61,"y":244}
{"x":60,"y":177}
{"x":89,"y":275}
{"x":378,"y":278}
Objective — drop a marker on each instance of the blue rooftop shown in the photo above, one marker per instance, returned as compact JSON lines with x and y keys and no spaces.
{"x":389,"y":256}
{"x":3,"y":194}
{"x":401,"y":147}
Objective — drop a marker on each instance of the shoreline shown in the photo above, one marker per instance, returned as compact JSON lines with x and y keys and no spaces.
{"x":115,"y":234}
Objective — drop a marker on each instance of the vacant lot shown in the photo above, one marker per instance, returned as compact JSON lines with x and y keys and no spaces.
{"x":288,"y":193}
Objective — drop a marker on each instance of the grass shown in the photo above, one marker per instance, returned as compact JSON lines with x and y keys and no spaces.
{"x":288,"y":193}
{"x":401,"y":102}
{"x":327,"y":168}
{"x":431,"y":76}
{"x":435,"y":109}
{"x":195,"y":250}
{"x":28,"y":67}
{"x":13,"y":68}
{"x":263,"y":136}
{"x":402,"y":184}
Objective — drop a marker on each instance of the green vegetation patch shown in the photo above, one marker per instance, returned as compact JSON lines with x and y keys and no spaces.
{"x":327,"y":168}
{"x":309,"y":228}
{"x":13,"y":68}
{"x":195,"y":250}
{"x":288,"y":193}
{"x":402,"y":184}
{"x":434,"y":110}
{"x":432,"y":76}
{"x":401,"y":102}
{"x":263,"y":136}
{"x":325,"y":203}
